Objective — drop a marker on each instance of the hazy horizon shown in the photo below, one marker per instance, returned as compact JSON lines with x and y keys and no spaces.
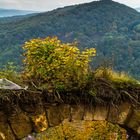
{"x":34,"y":5}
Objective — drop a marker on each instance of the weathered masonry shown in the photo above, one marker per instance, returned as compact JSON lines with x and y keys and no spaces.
{"x":23,"y":112}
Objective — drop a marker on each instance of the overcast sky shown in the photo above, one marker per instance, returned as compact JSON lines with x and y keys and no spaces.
{"x":46,"y":5}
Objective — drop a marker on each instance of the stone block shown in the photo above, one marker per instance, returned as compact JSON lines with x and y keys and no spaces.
{"x":134,"y":121}
{"x":20,"y":124}
{"x":65,"y":111}
{"x":101,"y":113}
{"x":6,"y":132}
{"x":88,"y":113}
{"x":77,"y":112}
{"x":124,"y":110}
{"x":53,"y":115}
{"x":113,"y":114}
{"x":3,"y":117}
{"x":40,"y":122}
{"x":138,"y":130}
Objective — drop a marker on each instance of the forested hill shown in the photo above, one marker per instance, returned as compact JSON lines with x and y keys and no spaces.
{"x":112,"y":28}
{"x":13,"y":12}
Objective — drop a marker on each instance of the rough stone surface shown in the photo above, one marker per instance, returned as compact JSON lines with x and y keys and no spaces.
{"x":101,"y":113}
{"x":134,"y":122}
{"x":113,"y":114}
{"x":40,"y":122}
{"x":6,"y":84}
{"x":138,"y":130}
{"x":89,"y":113}
{"x":124,"y":111}
{"x":77,"y":112}
{"x":20,"y":124}
{"x":6,"y":132}
{"x":53,"y":115}
{"x":3,"y":117}
{"x":65,"y":111}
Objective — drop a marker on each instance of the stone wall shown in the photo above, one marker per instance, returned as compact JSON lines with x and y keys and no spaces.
{"x":23,"y":121}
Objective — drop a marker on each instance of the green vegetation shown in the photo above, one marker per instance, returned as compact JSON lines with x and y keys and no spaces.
{"x":110,"y":75}
{"x":10,"y":72}
{"x":111,"y":28}
{"x":88,"y":130}
{"x":61,"y":68}
{"x":58,"y":65}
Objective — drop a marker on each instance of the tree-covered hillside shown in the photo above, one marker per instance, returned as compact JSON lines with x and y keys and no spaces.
{"x":112,"y":28}
{"x":13,"y":12}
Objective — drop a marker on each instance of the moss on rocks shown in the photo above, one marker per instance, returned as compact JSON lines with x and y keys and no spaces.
{"x":84,"y":130}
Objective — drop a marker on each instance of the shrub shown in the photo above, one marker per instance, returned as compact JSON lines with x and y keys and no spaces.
{"x":55,"y":64}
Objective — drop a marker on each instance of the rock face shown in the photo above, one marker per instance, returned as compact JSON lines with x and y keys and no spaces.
{"x":21,"y":123}
{"x":6,"y":132}
{"x":24,"y":113}
{"x":6,"y":84}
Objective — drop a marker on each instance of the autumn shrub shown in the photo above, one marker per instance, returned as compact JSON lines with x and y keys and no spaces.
{"x":51,"y":64}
